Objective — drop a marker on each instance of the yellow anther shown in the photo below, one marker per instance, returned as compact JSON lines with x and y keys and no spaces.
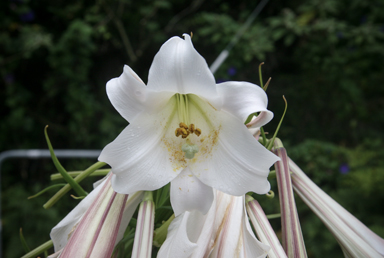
{"x":197,"y":131}
{"x":191,"y":128}
{"x":182,"y":125}
{"x":177,"y":132}
{"x":183,"y":131}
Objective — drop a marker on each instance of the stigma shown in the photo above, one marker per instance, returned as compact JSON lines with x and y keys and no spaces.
{"x":190,"y":150}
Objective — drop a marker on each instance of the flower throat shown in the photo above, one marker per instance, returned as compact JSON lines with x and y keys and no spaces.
{"x":185,"y":127}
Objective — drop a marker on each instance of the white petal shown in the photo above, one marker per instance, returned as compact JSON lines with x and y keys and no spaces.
{"x":139,"y":156}
{"x":177,"y":243}
{"x":189,"y":231}
{"x":179,"y":68}
{"x":243,"y":98}
{"x":189,"y":193}
{"x":234,"y":237}
{"x":127,"y":94}
{"x":236,"y":163}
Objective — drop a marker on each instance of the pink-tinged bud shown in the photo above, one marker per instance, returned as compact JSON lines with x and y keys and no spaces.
{"x":355,"y":238}
{"x":95,"y":235}
{"x":142,"y":245}
{"x":96,"y":224}
{"x":292,"y":236}
{"x":263,"y":228}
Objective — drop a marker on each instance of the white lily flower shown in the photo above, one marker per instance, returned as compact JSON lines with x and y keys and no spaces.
{"x":186,"y":130}
{"x":355,"y":239}
{"x":223,"y":232}
{"x":96,"y":224}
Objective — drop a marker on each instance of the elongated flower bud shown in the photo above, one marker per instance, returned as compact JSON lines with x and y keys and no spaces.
{"x":293,"y":241}
{"x":96,"y":233}
{"x":142,"y":245}
{"x":263,"y":228}
{"x":355,"y":238}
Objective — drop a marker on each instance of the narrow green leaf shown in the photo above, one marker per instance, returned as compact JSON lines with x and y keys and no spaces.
{"x":23,"y":242}
{"x":77,"y":179}
{"x":160,"y":234}
{"x":267,"y":84}
{"x":76,"y":187}
{"x":260,"y":76}
{"x":46,"y":189}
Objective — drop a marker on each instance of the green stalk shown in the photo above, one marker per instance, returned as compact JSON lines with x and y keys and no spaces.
{"x":99,"y":172}
{"x":38,"y":250}
{"x":278,"y":126}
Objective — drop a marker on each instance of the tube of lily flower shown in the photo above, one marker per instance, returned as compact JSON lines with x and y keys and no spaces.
{"x":263,"y":228}
{"x":96,"y":233}
{"x":354,"y":237}
{"x":142,"y":245}
{"x":293,"y":241}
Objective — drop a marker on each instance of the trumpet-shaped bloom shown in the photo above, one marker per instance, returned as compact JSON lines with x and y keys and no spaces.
{"x":223,"y":232}
{"x":186,"y":130}
{"x":96,"y":225}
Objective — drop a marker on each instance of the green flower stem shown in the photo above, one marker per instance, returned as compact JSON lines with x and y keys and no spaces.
{"x":38,"y":250}
{"x":99,"y":172}
{"x":263,"y":136}
{"x":278,"y":126}
{"x":160,"y":233}
{"x":67,"y":187}
{"x":274,"y":216}
{"x":78,"y":189}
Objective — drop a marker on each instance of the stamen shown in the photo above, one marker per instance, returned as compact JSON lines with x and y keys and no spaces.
{"x":197,"y":131}
{"x":183,"y":110}
{"x":184,"y":133}
{"x":191,"y":128}
{"x":177,"y":132}
{"x":182,"y":125}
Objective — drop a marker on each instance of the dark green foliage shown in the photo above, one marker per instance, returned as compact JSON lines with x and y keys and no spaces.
{"x":325,"y":56}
